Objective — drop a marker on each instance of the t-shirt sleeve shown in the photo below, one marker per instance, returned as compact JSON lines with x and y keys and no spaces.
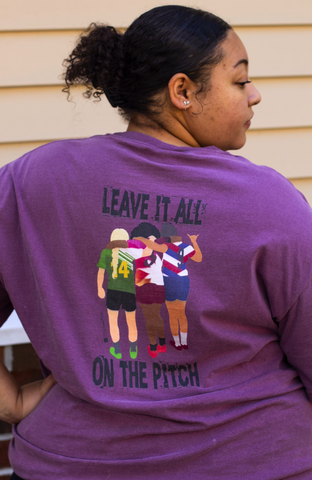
{"x":102,"y":261}
{"x":136,"y":244}
{"x":135,"y":249}
{"x":6,"y":307}
{"x":8,"y":234}
{"x":189,"y":252}
{"x":295,"y":331}
{"x":134,"y":253}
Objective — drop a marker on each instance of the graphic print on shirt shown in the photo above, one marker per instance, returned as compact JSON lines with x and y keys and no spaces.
{"x":160,"y":277}
{"x":123,"y":203}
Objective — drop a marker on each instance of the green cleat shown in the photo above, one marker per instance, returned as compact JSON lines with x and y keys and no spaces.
{"x":116,"y":355}
{"x":134,"y":354}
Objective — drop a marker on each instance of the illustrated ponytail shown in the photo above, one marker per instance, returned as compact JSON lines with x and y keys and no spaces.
{"x":97,"y":63}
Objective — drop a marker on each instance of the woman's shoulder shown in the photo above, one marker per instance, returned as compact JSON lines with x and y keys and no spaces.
{"x":56,"y":160}
{"x":264,"y":200}
{"x":59,"y":149}
{"x":266,"y":181}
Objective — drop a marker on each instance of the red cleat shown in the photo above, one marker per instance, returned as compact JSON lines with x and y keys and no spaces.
{"x":161,"y":348}
{"x":153,"y":353}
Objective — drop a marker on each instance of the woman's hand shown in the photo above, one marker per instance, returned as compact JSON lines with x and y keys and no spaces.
{"x":16,"y":403}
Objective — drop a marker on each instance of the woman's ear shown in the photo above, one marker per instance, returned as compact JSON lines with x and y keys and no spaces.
{"x":181,"y":89}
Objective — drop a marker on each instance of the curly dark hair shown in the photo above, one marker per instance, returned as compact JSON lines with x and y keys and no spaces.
{"x":145,"y":229}
{"x":132,"y":68}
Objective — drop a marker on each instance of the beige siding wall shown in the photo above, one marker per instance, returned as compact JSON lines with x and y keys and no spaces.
{"x":47,"y":15}
{"x":35,"y":36}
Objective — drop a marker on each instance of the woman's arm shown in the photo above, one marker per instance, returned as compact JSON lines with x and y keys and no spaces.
{"x":117,"y":244}
{"x":153,"y":245}
{"x":16,"y":403}
{"x":100,"y":279}
{"x":295,"y":332}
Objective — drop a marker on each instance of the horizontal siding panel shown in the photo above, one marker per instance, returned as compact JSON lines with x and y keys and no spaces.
{"x":43,"y":113}
{"x":304,"y":185}
{"x":278,"y":51}
{"x":39,"y":55}
{"x":34,"y":58}
{"x":40,"y":15}
{"x":285,"y":103}
{"x":287,"y":151}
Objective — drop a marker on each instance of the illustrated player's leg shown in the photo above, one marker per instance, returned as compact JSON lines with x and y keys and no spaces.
{"x":180,"y":311}
{"x":161,"y":348}
{"x":113,"y":303}
{"x":132,"y":333}
{"x":114,"y":332}
{"x":129,"y":306}
{"x":158,"y":320}
{"x":154,"y":327}
{"x":132,"y":327}
{"x":171,"y":291}
{"x":177,"y":289}
{"x":113,"y":325}
{"x":177,"y":318}
{"x":173,"y":320}
{"x":148,"y":313}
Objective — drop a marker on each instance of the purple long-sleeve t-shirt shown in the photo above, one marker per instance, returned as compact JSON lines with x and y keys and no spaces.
{"x":227,"y":396}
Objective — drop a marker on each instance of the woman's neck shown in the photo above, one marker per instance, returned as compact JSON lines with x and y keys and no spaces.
{"x":175,"y":134}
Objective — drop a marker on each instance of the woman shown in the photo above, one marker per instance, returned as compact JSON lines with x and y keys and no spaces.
{"x":238,"y":404}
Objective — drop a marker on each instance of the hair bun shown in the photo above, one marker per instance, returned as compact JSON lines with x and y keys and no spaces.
{"x":133,"y":70}
{"x":97,"y":61}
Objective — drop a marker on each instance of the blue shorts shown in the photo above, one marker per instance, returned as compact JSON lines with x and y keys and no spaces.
{"x":176,"y":288}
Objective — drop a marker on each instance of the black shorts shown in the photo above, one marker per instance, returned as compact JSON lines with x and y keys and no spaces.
{"x":15,"y":477}
{"x":116,"y":300}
